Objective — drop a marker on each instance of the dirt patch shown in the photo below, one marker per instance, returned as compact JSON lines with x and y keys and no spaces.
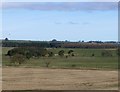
{"x":58,"y":79}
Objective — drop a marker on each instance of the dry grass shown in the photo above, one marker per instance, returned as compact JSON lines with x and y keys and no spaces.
{"x":58,"y":79}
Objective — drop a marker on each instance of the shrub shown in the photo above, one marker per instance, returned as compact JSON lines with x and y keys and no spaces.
{"x":17,"y":59}
{"x":106,"y":53}
{"x":70,"y":51}
{"x":73,"y":65}
{"x":28,"y":52}
{"x":50,"y":54}
{"x":72,"y":54}
{"x":93,"y":54}
{"x":66,"y":56}
{"x":61,"y":53}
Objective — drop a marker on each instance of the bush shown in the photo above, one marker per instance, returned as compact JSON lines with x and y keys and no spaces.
{"x":61,"y":53}
{"x":73,"y":65}
{"x":51,"y":54}
{"x":72,"y":54}
{"x":106,"y":53}
{"x":70,"y":51}
{"x":28,"y":55}
{"x":28,"y":52}
{"x":93,"y":54}
{"x":17,"y":59}
{"x":66,"y":56}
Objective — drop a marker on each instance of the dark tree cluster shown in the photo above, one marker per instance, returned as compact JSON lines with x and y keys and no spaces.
{"x":70,"y":53}
{"x":30,"y":52}
{"x":61,"y":53}
{"x":57,"y":44}
{"x":89,"y":45}
{"x":16,"y":43}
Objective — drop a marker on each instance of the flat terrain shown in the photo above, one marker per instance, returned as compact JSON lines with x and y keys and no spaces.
{"x":57,"y":79}
{"x":82,"y":60}
{"x":81,"y":72}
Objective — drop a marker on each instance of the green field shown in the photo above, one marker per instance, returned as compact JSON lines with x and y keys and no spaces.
{"x":83,"y":59}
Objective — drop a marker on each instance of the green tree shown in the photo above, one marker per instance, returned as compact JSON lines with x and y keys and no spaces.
{"x":6,"y":39}
{"x":61,"y":53}
{"x":51,"y":54}
{"x":28,"y":52}
{"x":70,"y":53}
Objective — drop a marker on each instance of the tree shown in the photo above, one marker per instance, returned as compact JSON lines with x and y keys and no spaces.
{"x":17,"y":59}
{"x":61,"y":53}
{"x":28,"y":52}
{"x":6,"y":39}
{"x":54,"y":40}
{"x":50,"y":54}
{"x":82,"y":40}
{"x":70,"y":53}
{"x":10,"y":53}
{"x":15,"y":51}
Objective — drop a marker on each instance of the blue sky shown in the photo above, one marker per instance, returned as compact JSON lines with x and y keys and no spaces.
{"x":61,"y":21}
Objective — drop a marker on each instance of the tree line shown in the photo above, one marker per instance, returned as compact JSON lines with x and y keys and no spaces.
{"x":56,"y":44}
{"x":20,"y":54}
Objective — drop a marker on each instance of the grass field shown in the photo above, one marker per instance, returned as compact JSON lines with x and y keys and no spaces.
{"x":81,"y":72}
{"x":82,"y":60}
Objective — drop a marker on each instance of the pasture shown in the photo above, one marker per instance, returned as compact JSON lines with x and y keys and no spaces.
{"x":83,"y":59}
{"x":80,"y":72}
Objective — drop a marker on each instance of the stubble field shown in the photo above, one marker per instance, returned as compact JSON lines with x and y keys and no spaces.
{"x":58,"y":79}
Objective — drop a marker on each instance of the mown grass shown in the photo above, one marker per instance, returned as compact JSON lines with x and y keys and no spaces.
{"x":83,"y":60}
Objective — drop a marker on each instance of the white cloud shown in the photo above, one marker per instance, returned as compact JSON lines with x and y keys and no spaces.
{"x":62,"y":6}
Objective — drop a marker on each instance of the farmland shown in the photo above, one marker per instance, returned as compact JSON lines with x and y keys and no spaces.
{"x":58,"y":79}
{"x":80,"y":72}
{"x":65,"y":45}
{"x":82,"y":60}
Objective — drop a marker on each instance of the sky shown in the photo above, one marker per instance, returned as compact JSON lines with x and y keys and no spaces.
{"x":72,"y":21}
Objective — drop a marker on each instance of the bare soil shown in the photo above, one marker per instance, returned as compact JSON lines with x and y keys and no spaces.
{"x":58,"y":79}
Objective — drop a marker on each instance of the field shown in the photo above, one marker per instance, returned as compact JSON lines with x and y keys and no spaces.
{"x":81,"y":72}
{"x":82,"y":60}
{"x":58,"y":79}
